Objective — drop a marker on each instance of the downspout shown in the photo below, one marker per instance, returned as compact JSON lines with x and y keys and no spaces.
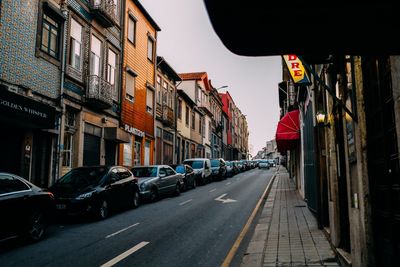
{"x":154,"y":96}
{"x":175,"y":122}
{"x":60,"y":146}
{"x":121,"y":70}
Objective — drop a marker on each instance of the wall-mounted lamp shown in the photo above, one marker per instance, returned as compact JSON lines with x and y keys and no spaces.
{"x":322,"y":119}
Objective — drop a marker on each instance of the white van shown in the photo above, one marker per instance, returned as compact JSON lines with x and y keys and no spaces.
{"x":202,"y":169}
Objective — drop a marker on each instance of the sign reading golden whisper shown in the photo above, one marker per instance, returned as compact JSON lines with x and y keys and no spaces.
{"x":296,"y":69}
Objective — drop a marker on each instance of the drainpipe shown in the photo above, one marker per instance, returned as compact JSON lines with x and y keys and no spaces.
{"x":121,"y":70}
{"x":60,"y":145}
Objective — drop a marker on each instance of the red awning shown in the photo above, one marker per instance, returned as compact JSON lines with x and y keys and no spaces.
{"x":288,"y":131}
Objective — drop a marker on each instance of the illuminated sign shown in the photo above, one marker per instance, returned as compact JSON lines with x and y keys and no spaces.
{"x":296,"y":69}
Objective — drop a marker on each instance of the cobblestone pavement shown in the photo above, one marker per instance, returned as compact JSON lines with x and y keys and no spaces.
{"x":287,"y":233}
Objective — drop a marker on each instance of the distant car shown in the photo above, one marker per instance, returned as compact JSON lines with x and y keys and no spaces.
{"x":263,"y":164}
{"x":272,"y":163}
{"x":218,"y":169}
{"x":25,"y":208}
{"x":95,"y":190}
{"x":189,"y":178}
{"x":157,"y":180}
{"x":230,"y":169}
{"x":202,"y":169}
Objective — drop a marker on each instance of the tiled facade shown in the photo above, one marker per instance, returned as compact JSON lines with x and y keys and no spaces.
{"x":19,"y":63}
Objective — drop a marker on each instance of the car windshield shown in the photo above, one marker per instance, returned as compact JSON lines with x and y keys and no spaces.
{"x":214,"y":163}
{"x":180,"y":169}
{"x":141,"y":172}
{"x":195,"y":164}
{"x":82,"y":177}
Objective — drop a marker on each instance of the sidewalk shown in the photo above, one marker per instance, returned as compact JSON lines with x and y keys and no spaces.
{"x":287,"y":233}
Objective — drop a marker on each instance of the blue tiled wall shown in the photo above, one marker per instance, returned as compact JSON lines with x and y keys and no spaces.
{"x":18,"y":63}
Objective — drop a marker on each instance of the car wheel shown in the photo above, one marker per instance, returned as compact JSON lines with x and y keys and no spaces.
{"x":103,"y":210}
{"x":177,"y":190}
{"x":37,"y":226}
{"x":153,"y":195}
{"x":185,"y":186}
{"x":135,"y":200}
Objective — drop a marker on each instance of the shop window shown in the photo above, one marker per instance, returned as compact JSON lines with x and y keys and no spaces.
{"x":193,"y":120}
{"x":128,"y":154}
{"x":138,"y":148}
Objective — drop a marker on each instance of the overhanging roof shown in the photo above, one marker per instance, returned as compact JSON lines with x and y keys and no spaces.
{"x":265,"y":28}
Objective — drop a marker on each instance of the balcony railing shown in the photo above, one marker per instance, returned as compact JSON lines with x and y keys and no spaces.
{"x":168,"y":116}
{"x":104,"y":11}
{"x":99,"y":92}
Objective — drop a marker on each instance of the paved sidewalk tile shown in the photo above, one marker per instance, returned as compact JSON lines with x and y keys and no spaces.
{"x":287,"y":232}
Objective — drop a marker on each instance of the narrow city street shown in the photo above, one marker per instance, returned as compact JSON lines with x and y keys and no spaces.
{"x":197,"y":228}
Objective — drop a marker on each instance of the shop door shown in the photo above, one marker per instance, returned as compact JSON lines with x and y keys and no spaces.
{"x":383,"y":160}
{"x":110,"y":149}
{"x":11,"y":150}
{"x":147,"y":153}
{"x":310,"y":174}
{"x":91,"y":150}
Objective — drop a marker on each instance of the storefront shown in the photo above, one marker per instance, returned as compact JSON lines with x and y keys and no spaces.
{"x":29,"y":138}
{"x":139,"y":151}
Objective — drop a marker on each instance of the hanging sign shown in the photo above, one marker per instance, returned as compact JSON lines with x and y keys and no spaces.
{"x":296,"y":69}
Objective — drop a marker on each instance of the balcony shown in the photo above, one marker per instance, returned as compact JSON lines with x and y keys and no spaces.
{"x":104,"y":11}
{"x":99,"y":93}
{"x":168,"y":116}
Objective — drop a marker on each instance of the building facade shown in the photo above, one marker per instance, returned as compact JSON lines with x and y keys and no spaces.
{"x":31,"y":38}
{"x":166,"y":116}
{"x":91,"y":96}
{"x":138,"y":85}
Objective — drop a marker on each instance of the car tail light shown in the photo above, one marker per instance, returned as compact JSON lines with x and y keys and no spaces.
{"x":50,"y":194}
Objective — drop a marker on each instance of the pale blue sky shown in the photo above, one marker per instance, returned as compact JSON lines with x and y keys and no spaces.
{"x":188,"y":42}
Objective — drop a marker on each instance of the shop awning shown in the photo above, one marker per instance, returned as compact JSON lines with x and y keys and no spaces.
{"x":288,"y":131}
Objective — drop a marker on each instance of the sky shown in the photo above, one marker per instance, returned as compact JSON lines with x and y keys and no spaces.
{"x":189,"y":44}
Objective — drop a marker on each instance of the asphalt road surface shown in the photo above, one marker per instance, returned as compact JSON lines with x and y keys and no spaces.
{"x":197,"y":228}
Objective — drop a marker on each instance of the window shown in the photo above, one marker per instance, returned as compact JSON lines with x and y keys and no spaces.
{"x":51,"y":31}
{"x":200,"y":124}
{"x":150,"y":48}
{"x":209,"y":131}
{"x":187,"y":116}
{"x":9,"y":184}
{"x":67,"y":152}
{"x":171,"y":97}
{"x":149,"y":101}
{"x":132,"y":29}
{"x":75,"y":50}
{"x":95,"y":56}
{"x":130,"y":87}
{"x":167,"y":136}
{"x":203,"y":126}
{"x":193,"y":120}
{"x":179,"y":109}
{"x":158,"y":85}
{"x":165,"y":92}
{"x":111,"y":71}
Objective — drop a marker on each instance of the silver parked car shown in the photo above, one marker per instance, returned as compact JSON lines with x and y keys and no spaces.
{"x":157,"y":180}
{"x":263,"y":164}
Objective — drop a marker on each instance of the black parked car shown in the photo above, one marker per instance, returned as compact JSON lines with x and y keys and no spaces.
{"x":189,"y":177}
{"x":96,"y":190}
{"x":218,"y":169}
{"x":25,"y":208}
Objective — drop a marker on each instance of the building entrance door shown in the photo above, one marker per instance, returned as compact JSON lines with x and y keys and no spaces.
{"x":147,"y":153}
{"x":383,"y":159}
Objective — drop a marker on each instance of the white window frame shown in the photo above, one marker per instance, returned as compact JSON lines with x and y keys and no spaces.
{"x":112,"y":73}
{"x":95,"y":55}
{"x":130,"y":92}
{"x":149,"y":100}
{"x":75,"y":60}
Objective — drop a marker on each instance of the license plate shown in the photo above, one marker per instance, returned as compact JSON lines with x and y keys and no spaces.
{"x":61,"y":206}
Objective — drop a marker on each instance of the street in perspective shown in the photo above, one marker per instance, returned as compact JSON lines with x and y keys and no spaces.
{"x":199,"y":133}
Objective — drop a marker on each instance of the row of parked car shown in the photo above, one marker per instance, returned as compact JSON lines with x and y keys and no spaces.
{"x":99,"y":190}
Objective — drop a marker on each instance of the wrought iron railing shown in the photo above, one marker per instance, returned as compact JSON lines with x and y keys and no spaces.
{"x":106,"y":9}
{"x":168,"y":115}
{"x":100,"y":90}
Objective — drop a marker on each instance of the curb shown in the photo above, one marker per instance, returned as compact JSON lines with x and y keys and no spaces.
{"x":233,"y":250}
